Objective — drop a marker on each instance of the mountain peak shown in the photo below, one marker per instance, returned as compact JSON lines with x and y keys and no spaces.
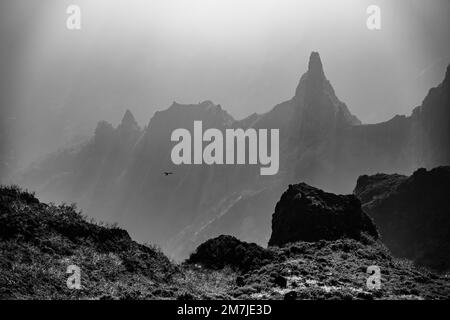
{"x":314,"y":79}
{"x":128,"y":120}
{"x":129,"y":123}
{"x":316,"y":94}
{"x":315,"y":67}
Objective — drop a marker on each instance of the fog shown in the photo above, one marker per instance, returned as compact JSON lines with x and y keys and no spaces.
{"x":247,"y":55}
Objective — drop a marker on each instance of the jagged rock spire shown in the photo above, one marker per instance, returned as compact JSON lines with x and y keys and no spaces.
{"x":128,"y":128}
{"x":128,"y":120}
{"x":315,"y":96}
{"x":315,"y":68}
{"x":314,"y":79}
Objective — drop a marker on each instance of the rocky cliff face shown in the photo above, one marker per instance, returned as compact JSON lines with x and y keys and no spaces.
{"x":321,"y":242}
{"x":412,"y":214}
{"x":431,"y":123}
{"x":117,"y":176}
{"x":38,"y":242}
{"x":90,"y":172}
{"x":402,"y":144}
{"x":309,"y":214}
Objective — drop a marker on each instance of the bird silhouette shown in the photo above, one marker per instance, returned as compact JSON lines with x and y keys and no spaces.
{"x":167,"y":173}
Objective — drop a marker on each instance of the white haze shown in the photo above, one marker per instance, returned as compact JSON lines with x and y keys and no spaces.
{"x":247,"y":55}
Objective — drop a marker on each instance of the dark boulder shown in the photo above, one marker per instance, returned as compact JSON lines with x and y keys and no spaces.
{"x":291,"y":295}
{"x":227,"y":251}
{"x":305,"y":213}
{"x":240,"y":281}
{"x":280,"y":281}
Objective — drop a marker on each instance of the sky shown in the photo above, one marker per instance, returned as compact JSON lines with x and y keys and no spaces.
{"x":247,"y":55}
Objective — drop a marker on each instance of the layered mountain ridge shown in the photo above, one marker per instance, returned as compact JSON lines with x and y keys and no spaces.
{"x":117,"y":175}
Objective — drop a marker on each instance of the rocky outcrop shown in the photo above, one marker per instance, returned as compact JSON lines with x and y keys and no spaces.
{"x":227,"y":251}
{"x":369,"y":188}
{"x":411,"y":213}
{"x":305,"y":213}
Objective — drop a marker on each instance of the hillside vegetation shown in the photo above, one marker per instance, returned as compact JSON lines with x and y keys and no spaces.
{"x":39,"y":241}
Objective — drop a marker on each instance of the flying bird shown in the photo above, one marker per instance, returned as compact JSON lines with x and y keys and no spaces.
{"x":168,"y":173}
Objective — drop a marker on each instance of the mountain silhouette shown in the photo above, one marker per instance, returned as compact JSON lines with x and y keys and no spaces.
{"x":116,"y":176}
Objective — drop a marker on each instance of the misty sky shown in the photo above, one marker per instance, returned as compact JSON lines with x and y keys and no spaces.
{"x":247,"y":55}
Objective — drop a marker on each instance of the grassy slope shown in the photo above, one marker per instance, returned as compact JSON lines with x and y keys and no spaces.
{"x":39,"y":241}
{"x":337,"y":270}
